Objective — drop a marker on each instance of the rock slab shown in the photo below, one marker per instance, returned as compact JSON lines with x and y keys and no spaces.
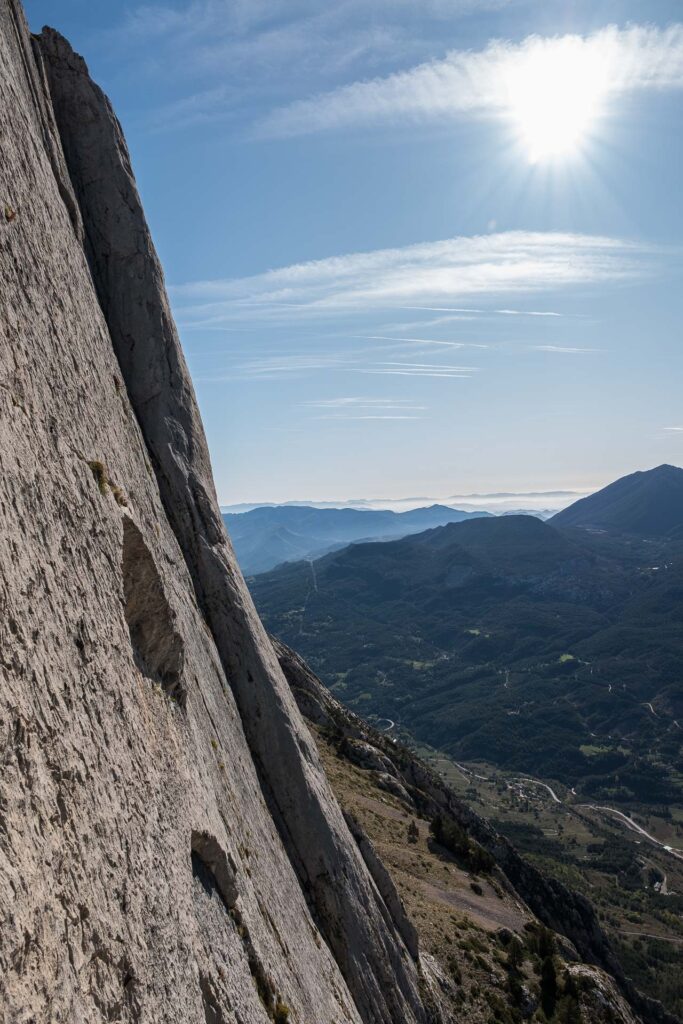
{"x":170,"y":849}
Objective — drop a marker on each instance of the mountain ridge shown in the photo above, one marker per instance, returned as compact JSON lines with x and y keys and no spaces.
{"x":644,"y":503}
{"x":269,"y":535}
{"x":470,"y":601}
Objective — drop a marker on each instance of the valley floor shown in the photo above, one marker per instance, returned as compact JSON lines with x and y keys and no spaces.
{"x":628,"y":861}
{"x":481,"y":948}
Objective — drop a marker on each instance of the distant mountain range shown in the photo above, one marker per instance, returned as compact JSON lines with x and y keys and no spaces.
{"x":268,"y":535}
{"x":550,"y":648}
{"x":498,"y":502}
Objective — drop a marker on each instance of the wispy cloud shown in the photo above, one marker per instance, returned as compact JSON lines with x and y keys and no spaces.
{"x":198,"y":108}
{"x":674,"y":430}
{"x":427,"y":273}
{"x":230,"y":15}
{"x":250,"y":54}
{"x":418,"y":341}
{"x":359,"y":402}
{"x":415,"y":373}
{"x":289,"y":366}
{"x":478,"y":83}
{"x":485,"y":312}
{"x":391,"y":365}
{"x":370,"y":416}
{"x":284,"y":366}
{"x":404,"y":368}
{"x":564,"y":349}
{"x":526,"y":312}
{"x":362,"y":408}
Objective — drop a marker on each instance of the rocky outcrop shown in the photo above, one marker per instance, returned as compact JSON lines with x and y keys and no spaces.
{"x":170,"y":849}
{"x":366,"y":756}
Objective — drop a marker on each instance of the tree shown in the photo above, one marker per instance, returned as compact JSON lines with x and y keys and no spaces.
{"x":413,"y":832}
{"x":568,"y":1007}
{"x":515,"y":959}
{"x":548,"y":986}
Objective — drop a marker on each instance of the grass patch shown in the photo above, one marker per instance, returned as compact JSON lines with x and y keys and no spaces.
{"x":105,"y":483}
{"x":99,"y":471}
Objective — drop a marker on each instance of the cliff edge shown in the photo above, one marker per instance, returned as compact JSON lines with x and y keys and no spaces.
{"x":170,"y":848}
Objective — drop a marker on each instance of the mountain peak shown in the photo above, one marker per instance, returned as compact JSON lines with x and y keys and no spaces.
{"x":646,"y":503}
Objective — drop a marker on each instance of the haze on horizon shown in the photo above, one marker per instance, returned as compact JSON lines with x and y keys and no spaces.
{"x":498,"y":502}
{"x":428,"y":252}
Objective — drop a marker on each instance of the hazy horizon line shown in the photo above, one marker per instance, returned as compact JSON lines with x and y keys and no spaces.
{"x":493,"y":498}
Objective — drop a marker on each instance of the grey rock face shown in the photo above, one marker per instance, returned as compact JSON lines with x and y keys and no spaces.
{"x":170,"y":849}
{"x":130,"y":287}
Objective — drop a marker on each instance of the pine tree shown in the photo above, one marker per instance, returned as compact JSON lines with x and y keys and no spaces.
{"x":548,"y":986}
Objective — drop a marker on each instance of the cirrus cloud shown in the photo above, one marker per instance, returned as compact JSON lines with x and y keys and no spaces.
{"x":514,"y":262}
{"x":477,"y":83}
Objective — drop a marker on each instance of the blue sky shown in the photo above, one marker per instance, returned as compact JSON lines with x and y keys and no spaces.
{"x":423,"y":248}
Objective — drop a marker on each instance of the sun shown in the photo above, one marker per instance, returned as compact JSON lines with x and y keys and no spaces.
{"x":555,"y":94}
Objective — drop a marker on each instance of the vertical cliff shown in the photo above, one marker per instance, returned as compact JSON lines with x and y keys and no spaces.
{"x":170,"y":849}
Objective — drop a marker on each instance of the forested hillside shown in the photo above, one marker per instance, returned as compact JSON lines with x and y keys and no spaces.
{"x":543,"y":650}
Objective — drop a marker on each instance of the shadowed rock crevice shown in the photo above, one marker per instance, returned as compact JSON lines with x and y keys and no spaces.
{"x":32,"y":64}
{"x":215,"y":874}
{"x":157,"y":648}
{"x":212,"y":1009}
{"x":212,"y":868}
{"x":385,"y":886}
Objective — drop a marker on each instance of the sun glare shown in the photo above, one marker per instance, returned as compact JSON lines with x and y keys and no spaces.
{"x":556,"y":94}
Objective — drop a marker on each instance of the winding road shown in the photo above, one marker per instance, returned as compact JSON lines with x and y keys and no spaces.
{"x":619,"y":815}
{"x":635,"y":827}
{"x":535,"y":782}
{"x":466,"y":771}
